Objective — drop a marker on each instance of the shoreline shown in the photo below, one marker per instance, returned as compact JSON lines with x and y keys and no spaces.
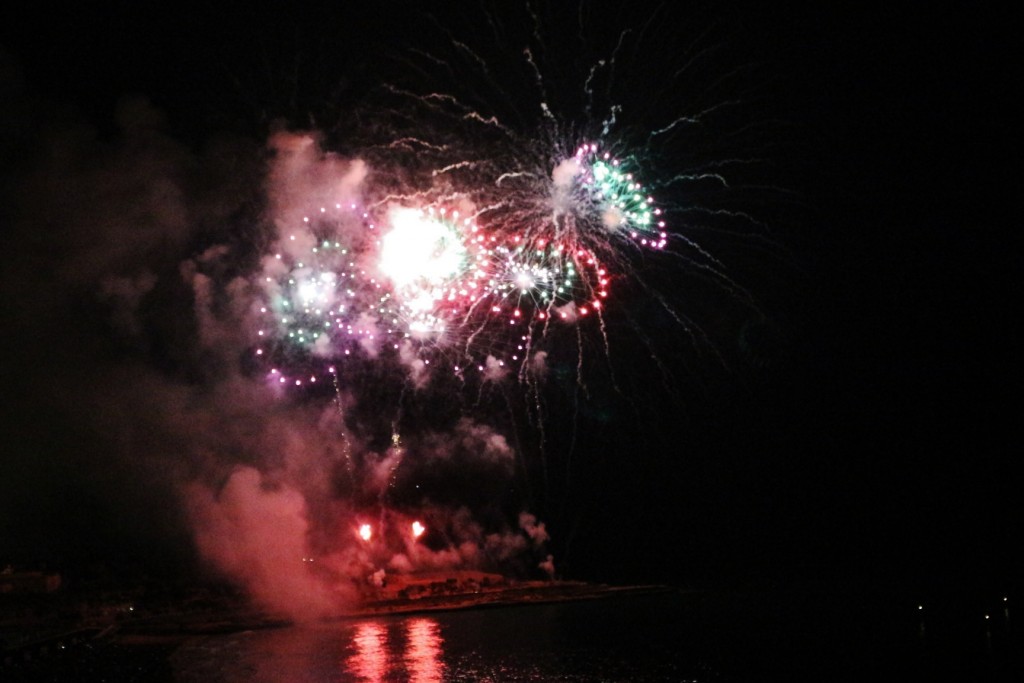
{"x":568,"y":591}
{"x":163,"y":628}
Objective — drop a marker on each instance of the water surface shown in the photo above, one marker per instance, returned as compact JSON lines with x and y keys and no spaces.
{"x":678,"y":636}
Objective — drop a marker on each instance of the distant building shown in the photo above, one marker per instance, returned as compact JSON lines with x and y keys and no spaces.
{"x":450,"y":582}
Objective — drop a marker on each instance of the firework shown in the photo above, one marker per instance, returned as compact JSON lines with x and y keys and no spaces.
{"x":440,"y":279}
{"x":317,"y":295}
{"x":606,"y":195}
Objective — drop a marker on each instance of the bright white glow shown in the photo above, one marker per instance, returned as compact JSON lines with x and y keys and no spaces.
{"x":308,"y":291}
{"x":420,"y":249}
{"x":417,"y":529}
{"x":523,"y":280}
{"x":365,"y":532}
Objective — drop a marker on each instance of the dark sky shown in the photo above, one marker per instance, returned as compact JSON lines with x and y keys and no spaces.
{"x":878,"y":439}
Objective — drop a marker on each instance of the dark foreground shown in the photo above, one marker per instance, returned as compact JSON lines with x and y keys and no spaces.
{"x":824,"y":632}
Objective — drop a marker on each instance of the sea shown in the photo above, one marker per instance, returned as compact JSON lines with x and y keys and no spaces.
{"x":817,"y":633}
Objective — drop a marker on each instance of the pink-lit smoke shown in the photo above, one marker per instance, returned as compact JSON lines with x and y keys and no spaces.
{"x":148,"y":341}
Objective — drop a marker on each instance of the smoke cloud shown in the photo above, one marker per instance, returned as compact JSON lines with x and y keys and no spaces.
{"x":257,"y":533}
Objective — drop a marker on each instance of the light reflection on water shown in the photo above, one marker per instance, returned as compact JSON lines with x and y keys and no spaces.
{"x":602,"y":640}
{"x":371,"y":651}
{"x":370,"y":660}
{"x":373,"y":660}
{"x":423,"y":654}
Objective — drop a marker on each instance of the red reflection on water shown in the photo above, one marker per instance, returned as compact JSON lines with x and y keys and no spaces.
{"x":370,"y":661}
{"x":423,"y":651}
{"x":373,"y":663}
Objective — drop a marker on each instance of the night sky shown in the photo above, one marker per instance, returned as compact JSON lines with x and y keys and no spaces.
{"x":865,"y":425}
